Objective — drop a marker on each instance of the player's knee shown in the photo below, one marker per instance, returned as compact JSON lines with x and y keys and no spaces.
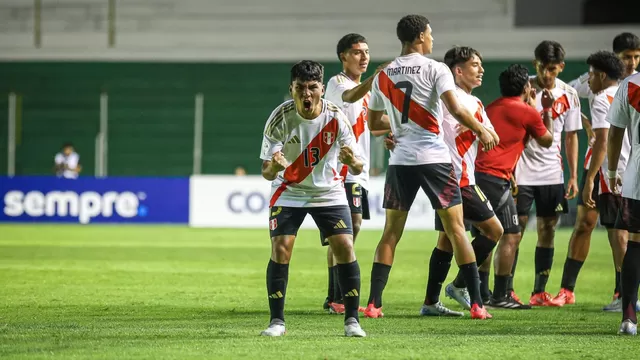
{"x":585,"y":225}
{"x":546,"y":227}
{"x":281,"y":252}
{"x":356,"y":229}
{"x":342,"y":246}
{"x":495,"y":231}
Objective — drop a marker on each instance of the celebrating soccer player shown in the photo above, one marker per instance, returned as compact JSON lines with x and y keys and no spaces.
{"x":411,"y":89}
{"x":304,"y":139}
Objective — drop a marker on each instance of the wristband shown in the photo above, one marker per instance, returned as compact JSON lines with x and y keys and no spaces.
{"x":547,"y":110}
{"x":612,"y":174}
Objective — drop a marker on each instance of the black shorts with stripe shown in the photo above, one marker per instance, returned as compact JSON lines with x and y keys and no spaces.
{"x":498,"y":191}
{"x":331,"y":220}
{"x":475,"y":206}
{"x":358,"y":198}
{"x":438,"y":181}
{"x":594,"y":193}
{"x":629,"y":215}
{"x":549,"y":199}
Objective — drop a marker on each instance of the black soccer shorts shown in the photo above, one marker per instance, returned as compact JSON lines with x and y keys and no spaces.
{"x":438,"y":181}
{"x":475,"y":206}
{"x":358,"y":198}
{"x":629,"y":215}
{"x":609,"y":204}
{"x":331,"y":220}
{"x":498,"y":191}
{"x":550,"y":200}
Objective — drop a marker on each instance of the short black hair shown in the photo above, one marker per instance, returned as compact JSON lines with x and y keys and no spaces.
{"x":410,"y":27}
{"x":307,"y":70}
{"x":460,"y":55}
{"x":67,"y":144}
{"x":549,"y":52}
{"x":513,"y":80}
{"x":607,"y":62}
{"x":347,"y":42}
{"x":625,"y":41}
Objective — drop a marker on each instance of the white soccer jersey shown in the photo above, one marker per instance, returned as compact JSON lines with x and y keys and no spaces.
{"x":600,"y":104}
{"x":409,"y":89}
{"x":71,"y":162}
{"x":543,"y":166}
{"x":625,"y":113}
{"x":357,"y":115}
{"x":311,"y":147}
{"x":464,"y":147}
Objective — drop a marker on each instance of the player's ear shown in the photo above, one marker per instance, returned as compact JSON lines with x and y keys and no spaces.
{"x":343,"y":57}
{"x":561,"y":66}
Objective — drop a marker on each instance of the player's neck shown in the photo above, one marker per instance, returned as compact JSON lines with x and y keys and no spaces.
{"x":464,"y":87}
{"x":355,"y":78}
{"x":608,"y":83}
{"x":411,"y":49}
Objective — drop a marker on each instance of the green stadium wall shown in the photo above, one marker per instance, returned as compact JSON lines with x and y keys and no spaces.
{"x":151,"y":112}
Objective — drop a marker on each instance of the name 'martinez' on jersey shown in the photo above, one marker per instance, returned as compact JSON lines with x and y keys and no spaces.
{"x":311,"y":147}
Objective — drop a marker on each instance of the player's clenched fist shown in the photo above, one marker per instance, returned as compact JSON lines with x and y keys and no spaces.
{"x":547,"y":99}
{"x":346,"y":155}
{"x":278,"y":162}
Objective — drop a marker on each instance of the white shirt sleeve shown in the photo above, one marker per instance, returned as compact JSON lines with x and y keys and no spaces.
{"x":73,"y":160}
{"x":334,"y":91}
{"x":599,"y":112}
{"x":273,"y":136}
{"x":573,"y":121}
{"x":581,"y":85}
{"x":618,"y":114}
{"x":346,"y":136}
{"x":376,"y":102}
{"x":444,"y":80}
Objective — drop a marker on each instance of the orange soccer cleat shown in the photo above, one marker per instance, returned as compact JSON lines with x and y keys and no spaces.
{"x":373,"y":312}
{"x":479,"y":313}
{"x":564,"y":297}
{"x":540,"y":299}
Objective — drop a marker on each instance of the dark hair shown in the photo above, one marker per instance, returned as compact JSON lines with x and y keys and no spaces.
{"x":513,"y":80}
{"x":549,"y":52}
{"x":347,"y":42}
{"x":410,"y":27}
{"x":460,"y":55}
{"x":608,"y":63}
{"x":67,"y":144}
{"x":307,"y":70}
{"x":625,"y":41}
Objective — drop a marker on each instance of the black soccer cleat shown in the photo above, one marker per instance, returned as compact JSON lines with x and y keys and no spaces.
{"x":507,"y":302}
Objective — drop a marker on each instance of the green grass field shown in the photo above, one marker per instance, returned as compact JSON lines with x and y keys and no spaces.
{"x":119,"y":292}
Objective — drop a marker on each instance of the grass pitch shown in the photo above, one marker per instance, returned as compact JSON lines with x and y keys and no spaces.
{"x":120,"y":292}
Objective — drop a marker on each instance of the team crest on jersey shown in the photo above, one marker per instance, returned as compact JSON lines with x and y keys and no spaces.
{"x":273,"y":224}
{"x":559,"y":107}
{"x":356,"y":201}
{"x":328,"y":137}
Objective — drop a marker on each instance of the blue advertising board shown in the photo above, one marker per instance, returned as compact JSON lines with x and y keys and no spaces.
{"x":91,"y":200}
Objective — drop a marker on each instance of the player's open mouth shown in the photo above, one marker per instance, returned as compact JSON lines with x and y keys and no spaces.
{"x":307,"y":105}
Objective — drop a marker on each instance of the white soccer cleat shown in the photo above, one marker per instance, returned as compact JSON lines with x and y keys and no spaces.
{"x":614,"y":306}
{"x":438,"y":310}
{"x":628,"y":328}
{"x":352,"y":328}
{"x":461,"y":295}
{"x":276,"y":328}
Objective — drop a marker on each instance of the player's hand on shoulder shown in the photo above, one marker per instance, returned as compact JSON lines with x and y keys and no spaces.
{"x":547,"y":99}
{"x":278,"y":162}
{"x":346,"y":155}
{"x":381,"y":66}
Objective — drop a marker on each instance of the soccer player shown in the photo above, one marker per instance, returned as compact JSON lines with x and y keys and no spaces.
{"x":624,"y":114}
{"x":539,"y":173}
{"x":627,"y":48}
{"x":466,"y":65}
{"x":411,"y":89}
{"x":304,"y":139}
{"x":352,"y":97}
{"x":606,"y":69}
{"x":515,"y":119}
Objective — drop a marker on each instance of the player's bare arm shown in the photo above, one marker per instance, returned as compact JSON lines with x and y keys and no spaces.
{"x":358,"y":92}
{"x":348,"y":158}
{"x":376,"y":133}
{"x":597,"y":158}
{"x":571,"y":148}
{"x":271,"y":168}
{"x":614,"y":148}
{"x":547,"y":117}
{"x":378,"y":121}
{"x":586,"y":125}
{"x":465,"y":118}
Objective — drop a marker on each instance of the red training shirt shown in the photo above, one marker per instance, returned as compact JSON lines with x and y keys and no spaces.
{"x":514,"y":121}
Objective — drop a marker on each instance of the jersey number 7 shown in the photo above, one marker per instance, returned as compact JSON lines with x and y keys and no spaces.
{"x":408,"y":89}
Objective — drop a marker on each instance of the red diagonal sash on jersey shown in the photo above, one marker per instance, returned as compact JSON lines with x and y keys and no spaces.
{"x":417,"y":113}
{"x":297,"y":172}
{"x":358,"y":129}
{"x":634,"y":96}
{"x":560,"y":106}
